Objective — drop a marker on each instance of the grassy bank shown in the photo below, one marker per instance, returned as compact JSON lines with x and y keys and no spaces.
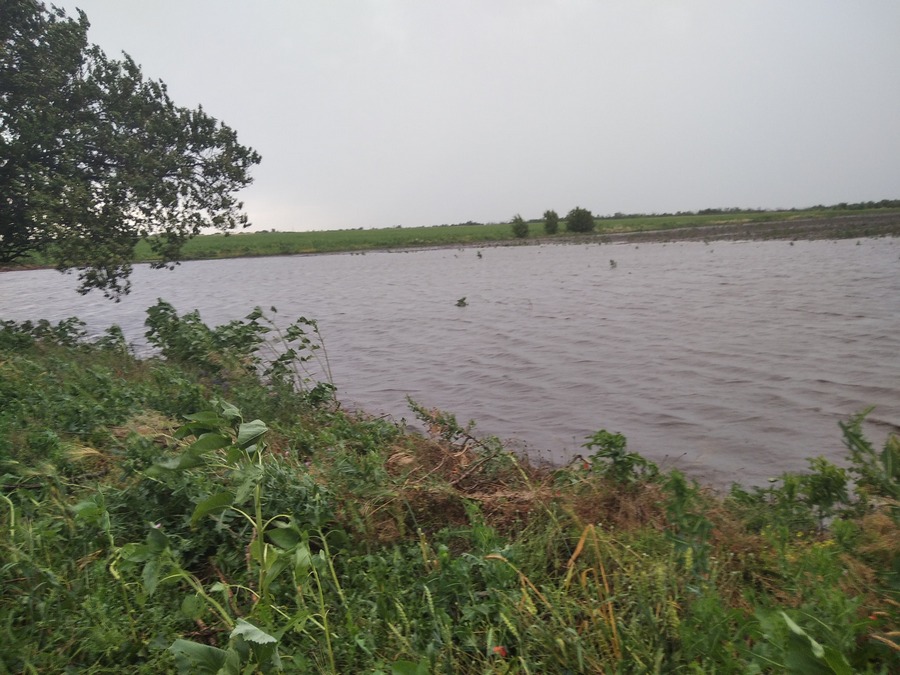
{"x":704,"y":225}
{"x":212,"y":510}
{"x":833,"y":222}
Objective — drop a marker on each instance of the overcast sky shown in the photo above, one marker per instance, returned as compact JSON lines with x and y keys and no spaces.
{"x":375,"y":113}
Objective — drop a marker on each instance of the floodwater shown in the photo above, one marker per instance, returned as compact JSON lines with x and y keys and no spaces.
{"x":732,"y":361}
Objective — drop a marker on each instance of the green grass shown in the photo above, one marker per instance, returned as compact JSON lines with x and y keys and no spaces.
{"x":292,"y":243}
{"x":270,"y":243}
{"x":289,"y":243}
{"x":215,"y":511}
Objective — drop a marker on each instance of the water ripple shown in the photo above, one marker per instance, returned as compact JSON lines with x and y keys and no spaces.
{"x":733,"y":361}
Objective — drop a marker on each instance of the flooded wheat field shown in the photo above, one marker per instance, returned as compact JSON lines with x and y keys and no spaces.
{"x":732,"y":361}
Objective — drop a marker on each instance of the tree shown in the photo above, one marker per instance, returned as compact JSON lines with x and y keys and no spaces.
{"x":580,"y":220}
{"x":519,"y":227}
{"x":95,"y":158}
{"x":551,"y":222}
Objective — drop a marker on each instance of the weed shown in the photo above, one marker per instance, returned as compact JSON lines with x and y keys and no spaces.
{"x":613,"y":460}
{"x":824,"y":488}
{"x":877,"y":474}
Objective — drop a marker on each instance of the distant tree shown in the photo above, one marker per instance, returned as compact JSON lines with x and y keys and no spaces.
{"x":95,"y":158}
{"x":551,"y":222}
{"x":519,"y":227}
{"x":579,"y":220}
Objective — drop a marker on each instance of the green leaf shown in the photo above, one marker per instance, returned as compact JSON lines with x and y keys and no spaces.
{"x":272,"y":556}
{"x":193,"y":657}
{"x":233,"y":454}
{"x":837,"y":661}
{"x":283,"y":536}
{"x":803,"y":655}
{"x":212,"y":504}
{"x":409,"y":668}
{"x":209,"y":441}
{"x":257,"y":549}
{"x":232,"y":665}
{"x":157,"y":541}
{"x":207,"y":417}
{"x":184,"y":461}
{"x":135,"y":552}
{"x":251,"y":633}
{"x":817,"y":649}
{"x":192,"y":457}
{"x":302,"y":561}
{"x":249,"y":476}
{"x":192,"y":606}
{"x":196,"y":429}
{"x":251,"y":432}
{"x":262,"y":644}
{"x":229,"y":411}
{"x":150,"y":576}
{"x":278,"y":563}
{"x":87,"y":511}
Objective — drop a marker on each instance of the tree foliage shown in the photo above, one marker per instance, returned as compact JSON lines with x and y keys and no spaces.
{"x":551,"y":222}
{"x":95,"y":157}
{"x":519,"y":227}
{"x":579,"y":220}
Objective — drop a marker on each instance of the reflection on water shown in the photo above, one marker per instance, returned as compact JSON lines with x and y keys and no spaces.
{"x":730,"y":361}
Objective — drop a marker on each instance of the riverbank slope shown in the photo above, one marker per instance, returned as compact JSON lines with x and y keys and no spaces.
{"x":187,"y":513}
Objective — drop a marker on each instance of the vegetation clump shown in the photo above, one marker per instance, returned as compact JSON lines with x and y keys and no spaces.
{"x":519,"y":227}
{"x":551,"y":222}
{"x":214,"y":509}
{"x":580,"y":220}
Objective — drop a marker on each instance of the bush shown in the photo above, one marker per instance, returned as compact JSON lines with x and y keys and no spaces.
{"x":580,"y":220}
{"x":519,"y":227}
{"x":551,"y":222}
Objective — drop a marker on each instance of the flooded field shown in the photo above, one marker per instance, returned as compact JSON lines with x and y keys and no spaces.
{"x":732,"y":361}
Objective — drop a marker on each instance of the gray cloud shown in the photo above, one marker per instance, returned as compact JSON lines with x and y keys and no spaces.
{"x":372,"y":114}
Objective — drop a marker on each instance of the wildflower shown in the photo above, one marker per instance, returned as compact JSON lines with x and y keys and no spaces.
{"x":500,"y":651}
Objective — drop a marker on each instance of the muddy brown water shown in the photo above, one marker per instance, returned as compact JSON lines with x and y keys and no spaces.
{"x":732,"y":361}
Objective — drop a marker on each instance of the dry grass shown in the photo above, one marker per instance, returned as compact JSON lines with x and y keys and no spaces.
{"x":148,"y":424}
